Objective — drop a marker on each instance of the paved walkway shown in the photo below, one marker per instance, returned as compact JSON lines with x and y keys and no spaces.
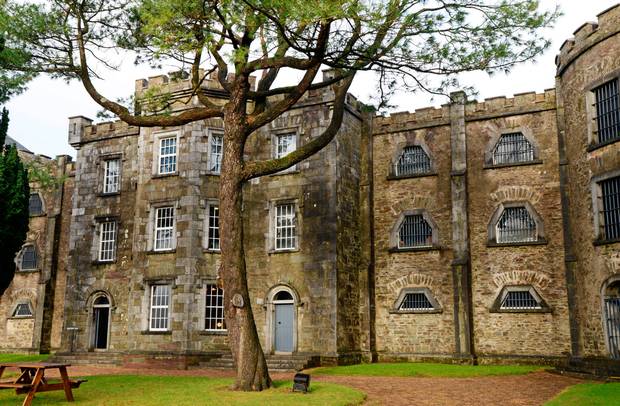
{"x":521,"y":390}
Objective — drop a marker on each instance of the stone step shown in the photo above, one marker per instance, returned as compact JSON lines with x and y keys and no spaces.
{"x":276,"y":362}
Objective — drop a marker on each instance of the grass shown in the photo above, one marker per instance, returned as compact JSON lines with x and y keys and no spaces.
{"x":591,"y":394}
{"x":421,"y":369}
{"x":8,"y":358}
{"x":128,"y":390}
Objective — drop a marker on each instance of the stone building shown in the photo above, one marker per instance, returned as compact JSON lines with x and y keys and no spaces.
{"x":475,"y":232}
{"x":32,"y":308}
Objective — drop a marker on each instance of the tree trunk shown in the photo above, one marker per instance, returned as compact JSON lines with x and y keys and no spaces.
{"x":252,"y":373}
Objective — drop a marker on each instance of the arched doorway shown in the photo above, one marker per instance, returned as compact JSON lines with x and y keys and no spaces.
{"x":611,"y":316}
{"x":283,"y":320}
{"x":100,"y":330}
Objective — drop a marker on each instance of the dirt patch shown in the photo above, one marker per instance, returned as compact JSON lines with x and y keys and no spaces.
{"x":520,"y":390}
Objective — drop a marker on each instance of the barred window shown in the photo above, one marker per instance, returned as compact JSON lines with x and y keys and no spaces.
{"x":519,"y":300}
{"x":416,"y":301}
{"x":29,"y":257}
{"x":35,"y":205}
{"x":107,"y":240}
{"x":22,"y":310}
{"x":413,"y":161}
{"x":112,"y":176}
{"x":164,"y":228}
{"x":516,"y":225}
{"x":285,"y":226}
{"x":160,"y":305}
{"x":214,"y":309}
{"x":415,"y":232}
{"x":607,"y":103}
{"x":167,"y":155}
{"x":213,"y":232}
{"x":215,"y":152}
{"x":513,"y":148}
{"x":610,"y":213}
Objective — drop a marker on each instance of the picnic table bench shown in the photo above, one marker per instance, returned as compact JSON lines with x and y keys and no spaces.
{"x":32,"y":380}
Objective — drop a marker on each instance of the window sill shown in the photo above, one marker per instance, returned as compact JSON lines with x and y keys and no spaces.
{"x":156,"y":333}
{"x":27,"y":270}
{"x":543,"y":310}
{"x":510,"y":165}
{"x":20,"y":318}
{"x":593,"y":147}
{"x":605,"y":242}
{"x":153,"y":252}
{"x":214,"y":333}
{"x":432,"y":311}
{"x":211,"y":251}
{"x":164,"y":175}
{"x":109,"y":194}
{"x":99,"y":263}
{"x":287,"y":251}
{"x":37,"y":215}
{"x":493,"y":244}
{"x":212,"y":173}
{"x":415,"y":249}
{"x":417,"y":175}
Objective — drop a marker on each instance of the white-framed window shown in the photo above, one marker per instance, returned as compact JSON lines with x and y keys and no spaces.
{"x":516,"y":224}
{"x":107,"y":241}
{"x":35,"y":204}
{"x":213,"y":227}
{"x":520,"y":298}
{"x":607,"y":106}
{"x":513,"y":148}
{"x":412,"y":161}
{"x":164,"y":228}
{"x":160,"y":308}
{"x":284,"y":145}
{"x":216,"y":145}
{"x":414,"y":232}
{"x":167,"y":155}
{"x":28,"y":260}
{"x":112,"y":175}
{"x":214,"y":308}
{"x":22,"y":310}
{"x":285,"y":222}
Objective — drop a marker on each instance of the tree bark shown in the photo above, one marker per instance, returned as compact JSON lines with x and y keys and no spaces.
{"x":252,"y":372}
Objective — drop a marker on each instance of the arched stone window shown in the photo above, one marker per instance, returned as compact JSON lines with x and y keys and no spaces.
{"x":28,"y":258}
{"x":516,"y":223}
{"x":519,"y":299}
{"x":414,"y":230}
{"x":416,"y":300}
{"x":35,"y":205}
{"x":413,"y":160}
{"x":512,"y":148}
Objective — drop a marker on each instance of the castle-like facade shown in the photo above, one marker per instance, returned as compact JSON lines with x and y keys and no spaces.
{"x":478,"y":231}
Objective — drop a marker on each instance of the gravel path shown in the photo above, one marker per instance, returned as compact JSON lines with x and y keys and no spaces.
{"x":519,"y":390}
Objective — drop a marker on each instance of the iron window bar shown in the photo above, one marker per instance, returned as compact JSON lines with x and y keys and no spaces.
{"x":610,"y":213}
{"x":413,"y":161}
{"x":516,"y":225}
{"x":607,"y":106}
{"x":415,"y":232}
{"x":22,"y":310}
{"x":35,"y":205}
{"x":513,"y":148}
{"x":519,"y":300}
{"x":29,"y":257}
{"x":416,"y":301}
{"x":612,"y":319}
{"x":214,"y":309}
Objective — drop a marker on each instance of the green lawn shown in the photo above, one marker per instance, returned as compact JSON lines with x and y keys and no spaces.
{"x":6,"y":358}
{"x":591,"y":394}
{"x":173,"y":390}
{"x":427,"y":369}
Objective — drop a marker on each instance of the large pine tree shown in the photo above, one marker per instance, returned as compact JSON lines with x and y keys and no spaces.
{"x":14,"y":195}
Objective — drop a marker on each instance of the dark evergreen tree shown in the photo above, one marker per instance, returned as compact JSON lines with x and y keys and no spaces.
{"x":14,"y":196}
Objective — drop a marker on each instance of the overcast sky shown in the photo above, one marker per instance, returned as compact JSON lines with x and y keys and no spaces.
{"x":39,"y":116}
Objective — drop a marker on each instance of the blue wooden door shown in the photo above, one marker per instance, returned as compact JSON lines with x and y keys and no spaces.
{"x":284,"y":328}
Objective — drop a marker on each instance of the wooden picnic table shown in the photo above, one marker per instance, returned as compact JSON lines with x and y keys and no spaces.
{"x":32,"y":380}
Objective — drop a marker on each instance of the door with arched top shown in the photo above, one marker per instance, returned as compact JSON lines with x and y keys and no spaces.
{"x":100,"y":323}
{"x":284,"y":322}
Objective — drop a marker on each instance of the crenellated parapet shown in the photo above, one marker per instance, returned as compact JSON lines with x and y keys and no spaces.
{"x":82,"y":129}
{"x":587,"y":36}
{"x":404,"y":120}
